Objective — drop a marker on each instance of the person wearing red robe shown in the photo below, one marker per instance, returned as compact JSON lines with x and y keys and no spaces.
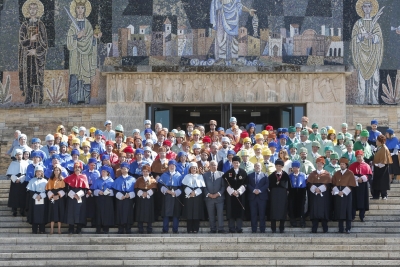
{"x":78,"y":188}
{"x":363,"y":174}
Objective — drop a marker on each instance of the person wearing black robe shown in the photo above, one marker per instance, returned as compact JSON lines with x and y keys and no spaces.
{"x":38,"y":203}
{"x":236,"y":180}
{"x":319,"y":185}
{"x":16,"y":172}
{"x":193,"y":185}
{"x":381,"y":178}
{"x":362,"y":172}
{"x":158,"y":167}
{"x":392,"y":143}
{"x":56,"y":193}
{"x":103,"y":195}
{"x":145,"y":188}
{"x":343,"y":183}
{"x":78,"y":187}
{"x":278,"y":187}
{"x":124,"y":192}
{"x":297,"y":195}
{"x":169,"y":185}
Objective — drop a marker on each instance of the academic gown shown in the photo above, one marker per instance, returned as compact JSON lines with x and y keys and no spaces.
{"x":393,"y":145}
{"x":37,"y":213}
{"x":57,"y":207}
{"x":49,"y":171}
{"x":233,"y":208}
{"x":17,"y":193}
{"x":145,"y":206}
{"x":76,"y":212}
{"x":297,"y":195}
{"x":381,"y":176}
{"x":182,"y":168}
{"x":170,"y":205}
{"x":135,"y":168}
{"x":104,"y":203}
{"x":361,"y":191}
{"x":124,"y":208}
{"x":320,"y":204}
{"x":194,"y":206}
{"x":278,"y":195}
{"x":92,"y":177}
{"x":343,"y":205}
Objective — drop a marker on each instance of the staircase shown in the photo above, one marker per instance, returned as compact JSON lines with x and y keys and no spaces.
{"x":371,"y":243}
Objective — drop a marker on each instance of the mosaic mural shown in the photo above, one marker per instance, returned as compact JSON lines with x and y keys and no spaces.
{"x":53,"y":51}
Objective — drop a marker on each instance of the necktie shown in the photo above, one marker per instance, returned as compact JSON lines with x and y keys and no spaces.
{"x":257,"y":178}
{"x":212,"y":177}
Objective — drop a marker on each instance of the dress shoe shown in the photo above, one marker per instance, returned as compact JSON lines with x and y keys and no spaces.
{"x":362,"y":220}
{"x":313,"y":232}
{"x":120,"y":231}
{"x":213,"y":232}
{"x":128,"y":231}
{"x":78,"y":231}
{"x":15,"y":214}
{"x":105,"y":233}
{"x":22,"y":213}
{"x":164,"y":232}
{"x":175,"y":232}
{"x":274,"y":231}
{"x":231,"y":231}
{"x":221,"y":232}
{"x":347,"y":231}
{"x":341,"y":232}
{"x":239,"y":231}
{"x":281,"y":231}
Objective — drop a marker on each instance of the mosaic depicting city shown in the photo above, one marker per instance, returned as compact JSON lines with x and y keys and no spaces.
{"x":56,"y":49}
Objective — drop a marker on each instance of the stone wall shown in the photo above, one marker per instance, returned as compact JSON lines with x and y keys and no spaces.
{"x":387,"y":116}
{"x":39,"y":121}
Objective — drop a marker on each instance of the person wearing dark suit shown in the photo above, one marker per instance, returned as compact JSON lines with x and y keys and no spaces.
{"x":257,"y":187}
{"x":235,"y":200}
{"x":214,"y":197}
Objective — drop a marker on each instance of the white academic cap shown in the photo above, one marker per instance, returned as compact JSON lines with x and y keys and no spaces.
{"x":18,"y":151}
{"x":147,"y":122}
{"x":233,"y":119}
{"x":38,"y":168}
{"x":135,"y":131}
{"x":225,"y":139}
{"x":298,"y":125}
{"x":82,"y":128}
{"x":107,"y":122}
{"x":49,"y":137}
{"x":195,"y":146}
{"x":192,"y":164}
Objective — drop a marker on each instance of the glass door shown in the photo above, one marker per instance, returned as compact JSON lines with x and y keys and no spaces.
{"x":161,"y":114}
{"x":286,"y":117}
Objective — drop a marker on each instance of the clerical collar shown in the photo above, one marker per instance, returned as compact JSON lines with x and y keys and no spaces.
{"x":279,"y":173}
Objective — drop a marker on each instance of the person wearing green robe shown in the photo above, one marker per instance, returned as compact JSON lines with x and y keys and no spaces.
{"x":315,"y":136}
{"x":293,"y":153}
{"x":340,"y":148}
{"x":328,"y":153}
{"x":82,"y":46}
{"x":364,"y":146}
{"x":350,"y":154}
{"x":312,"y":157}
{"x":304,"y":142}
{"x":345,"y":132}
{"x":292,"y":136}
{"x":305,"y":165}
{"x":324,"y":141}
{"x":333,"y":167}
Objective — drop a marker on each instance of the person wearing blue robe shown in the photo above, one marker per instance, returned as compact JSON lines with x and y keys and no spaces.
{"x":392,"y":144}
{"x":297,"y":195}
{"x":104,"y":196}
{"x":49,"y":161}
{"x":124,"y":192}
{"x":182,"y":166}
{"x":252,"y":134}
{"x":92,"y":175}
{"x":36,"y":160}
{"x":373,"y":134}
{"x":226,"y":164}
{"x":64,"y":156}
{"x":94,"y":153}
{"x":97,"y":143}
{"x":282,"y":144}
{"x":169,"y":185}
{"x":38,"y":202}
{"x":69,"y":165}
{"x":135,"y":169}
{"x":106,"y":162}
{"x":55,"y":159}
{"x":275,"y":155}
